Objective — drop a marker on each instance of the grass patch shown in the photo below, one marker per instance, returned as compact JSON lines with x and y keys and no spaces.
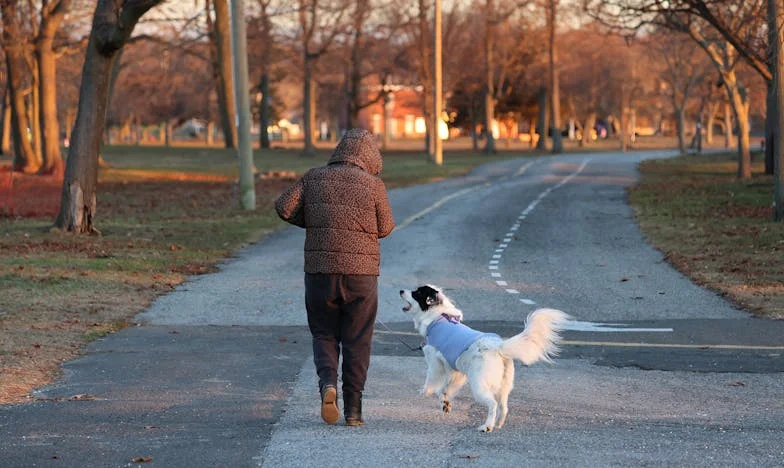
{"x":715,"y":228}
{"x":164,"y":214}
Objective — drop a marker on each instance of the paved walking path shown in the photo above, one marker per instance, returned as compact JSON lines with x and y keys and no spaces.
{"x":654,"y":371}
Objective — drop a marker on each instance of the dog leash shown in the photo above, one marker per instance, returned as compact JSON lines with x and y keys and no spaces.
{"x":410,"y":348}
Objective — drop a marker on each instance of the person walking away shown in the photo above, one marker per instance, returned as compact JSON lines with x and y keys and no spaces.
{"x":345,"y":210}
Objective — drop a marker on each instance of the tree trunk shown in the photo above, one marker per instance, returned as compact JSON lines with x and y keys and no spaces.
{"x":47,"y":85}
{"x":264,"y":112}
{"x":5,"y":123}
{"x":387,"y":113}
{"x":772,"y":134}
{"x":224,"y":79}
{"x":113,"y":23}
{"x":308,"y":107}
{"x":355,"y":81}
{"x":728,"y":140}
{"x":680,"y":122}
{"x":740,"y":109}
{"x":710,"y":122}
{"x":210,"y":133}
{"x":474,"y":124}
{"x":34,"y":116}
{"x":555,"y":94}
{"x":25,"y":159}
{"x":590,"y":122}
{"x":489,"y":81}
{"x":777,"y":25}
{"x":541,"y":128}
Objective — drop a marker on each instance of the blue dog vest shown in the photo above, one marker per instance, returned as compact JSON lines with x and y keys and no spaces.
{"x":452,"y":338}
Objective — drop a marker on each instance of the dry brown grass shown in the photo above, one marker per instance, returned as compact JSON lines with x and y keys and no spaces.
{"x":62,"y":291}
{"x":716,"y":229}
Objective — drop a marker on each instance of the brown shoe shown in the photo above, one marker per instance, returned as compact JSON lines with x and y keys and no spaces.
{"x":329,"y":404}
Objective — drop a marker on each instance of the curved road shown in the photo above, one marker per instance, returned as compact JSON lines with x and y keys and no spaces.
{"x":655,"y":370}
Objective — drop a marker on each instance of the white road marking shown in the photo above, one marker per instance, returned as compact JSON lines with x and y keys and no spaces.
{"x":622,"y":344}
{"x":576,"y":325}
{"x":670,"y":345}
{"x":510,"y":235}
{"x":438,"y":203}
{"x":523,"y":168}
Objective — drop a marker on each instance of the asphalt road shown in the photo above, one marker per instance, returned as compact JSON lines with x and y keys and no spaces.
{"x":654,"y":371}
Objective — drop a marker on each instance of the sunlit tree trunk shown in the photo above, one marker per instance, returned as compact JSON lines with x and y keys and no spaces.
{"x":113,"y":23}
{"x":680,"y":121}
{"x":426,"y":70}
{"x":222,"y":66}
{"x":723,"y":58}
{"x":590,"y":122}
{"x":729,"y":141}
{"x":5,"y":122}
{"x":47,"y":87}
{"x":34,"y":112}
{"x":541,"y":123}
{"x":25,"y":158}
{"x":309,"y":107}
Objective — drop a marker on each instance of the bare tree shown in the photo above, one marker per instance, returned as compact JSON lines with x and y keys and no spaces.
{"x":776,"y":24}
{"x":25,"y":157}
{"x":320,"y":23}
{"x":113,"y":23}
{"x":52,"y":14}
{"x":555,"y":93}
{"x":682,"y":72}
{"x":220,"y":35}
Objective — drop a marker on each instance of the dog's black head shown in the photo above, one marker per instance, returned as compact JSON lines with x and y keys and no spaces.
{"x":425,"y":296}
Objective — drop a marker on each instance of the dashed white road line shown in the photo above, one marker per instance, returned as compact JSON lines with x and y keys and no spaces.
{"x":437,"y":204}
{"x":509,"y":236}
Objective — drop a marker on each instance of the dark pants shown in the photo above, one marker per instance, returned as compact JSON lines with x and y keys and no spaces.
{"x":341,"y":313}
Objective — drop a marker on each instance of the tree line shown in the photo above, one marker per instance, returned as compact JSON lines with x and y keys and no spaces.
{"x":548,"y":66}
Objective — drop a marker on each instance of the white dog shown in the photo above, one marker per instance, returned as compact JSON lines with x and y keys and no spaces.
{"x":455,"y":351}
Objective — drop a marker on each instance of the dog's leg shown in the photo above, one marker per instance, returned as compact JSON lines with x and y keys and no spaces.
{"x":482,"y":388}
{"x":486,"y":397}
{"x":456,"y":382}
{"x":436,"y":377}
{"x":503,"y":394}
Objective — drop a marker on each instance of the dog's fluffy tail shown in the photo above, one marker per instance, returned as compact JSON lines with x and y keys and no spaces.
{"x":539,"y":341}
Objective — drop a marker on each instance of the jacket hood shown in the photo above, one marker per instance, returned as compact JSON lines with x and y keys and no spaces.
{"x":360,"y":148}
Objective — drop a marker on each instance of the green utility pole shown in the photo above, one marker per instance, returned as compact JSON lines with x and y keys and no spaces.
{"x":239,"y":49}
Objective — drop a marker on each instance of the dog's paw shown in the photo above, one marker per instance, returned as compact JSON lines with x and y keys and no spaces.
{"x":446,"y":406}
{"x":427,"y":391}
{"x":485,"y":428}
